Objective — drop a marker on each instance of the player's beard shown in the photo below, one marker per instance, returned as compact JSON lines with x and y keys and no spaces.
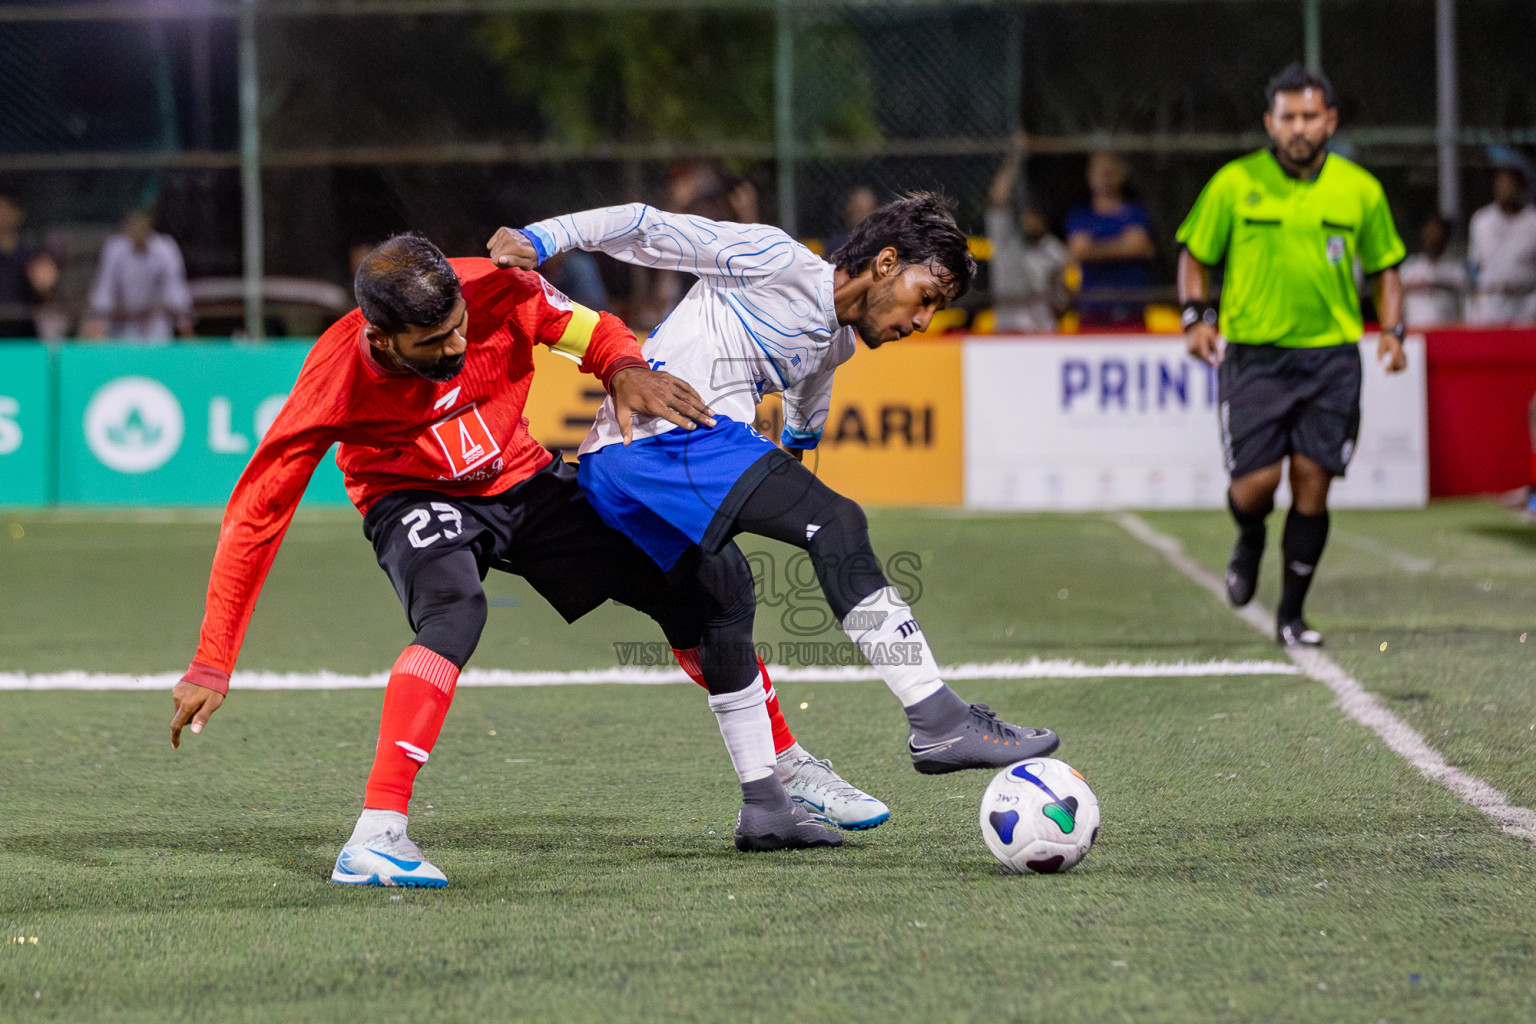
{"x":869,"y":327}
{"x":439,"y":370}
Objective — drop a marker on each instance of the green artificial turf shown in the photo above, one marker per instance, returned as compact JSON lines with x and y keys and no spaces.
{"x":1262,"y":858}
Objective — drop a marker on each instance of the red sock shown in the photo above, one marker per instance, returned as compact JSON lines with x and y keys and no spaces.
{"x":415,"y":704}
{"x":783,"y":739}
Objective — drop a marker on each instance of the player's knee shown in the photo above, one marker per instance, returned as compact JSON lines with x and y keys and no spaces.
{"x":448,"y":611}
{"x":844,"y":558}
{"x":841,"y":529}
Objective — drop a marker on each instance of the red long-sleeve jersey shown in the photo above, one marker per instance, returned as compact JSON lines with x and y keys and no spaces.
{"x":398,"y":430}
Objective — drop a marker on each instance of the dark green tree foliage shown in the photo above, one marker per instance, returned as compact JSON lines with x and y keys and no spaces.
{"x":679,"y":76}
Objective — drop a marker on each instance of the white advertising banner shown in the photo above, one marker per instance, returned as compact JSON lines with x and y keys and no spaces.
{"x":1131,"y":422}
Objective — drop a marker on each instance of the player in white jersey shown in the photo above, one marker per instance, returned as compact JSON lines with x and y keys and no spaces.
{"x":768,"y":315}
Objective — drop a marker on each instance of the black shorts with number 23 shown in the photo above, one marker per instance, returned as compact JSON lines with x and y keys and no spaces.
{"x":1278,"y":401}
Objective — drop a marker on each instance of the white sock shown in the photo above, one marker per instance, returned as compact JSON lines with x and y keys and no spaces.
{"x":372,"y":822}
{"x":743,"y":718}
{"x":883,"y":628}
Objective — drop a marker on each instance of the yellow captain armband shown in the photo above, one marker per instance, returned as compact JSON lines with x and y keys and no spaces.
{"x":577,"y":337}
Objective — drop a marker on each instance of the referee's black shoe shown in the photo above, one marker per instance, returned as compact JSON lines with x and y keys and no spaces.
{"x":1242,"y":576}
{"x":1296,"y":633}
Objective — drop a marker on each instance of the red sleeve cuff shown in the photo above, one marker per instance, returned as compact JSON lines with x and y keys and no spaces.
{"x":622,"y":363}
{"x":214,"y":679}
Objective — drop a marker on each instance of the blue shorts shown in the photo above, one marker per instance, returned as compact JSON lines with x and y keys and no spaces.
{"x":665,"y":492}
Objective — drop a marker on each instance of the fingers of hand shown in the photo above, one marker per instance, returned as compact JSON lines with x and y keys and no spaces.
{"x":179,"y":719}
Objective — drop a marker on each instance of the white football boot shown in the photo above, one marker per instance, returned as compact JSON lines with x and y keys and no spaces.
{"x":826,"y":795}
{"x":384,"y":855}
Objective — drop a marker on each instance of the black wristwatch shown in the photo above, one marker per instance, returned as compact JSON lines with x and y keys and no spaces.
{"x":1195,"y":312}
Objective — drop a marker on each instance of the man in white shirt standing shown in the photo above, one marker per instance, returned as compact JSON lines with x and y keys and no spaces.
{"x":1434,"y":279}
{"x":768,"y":315}
{"x":140,"y":293}
{"x":1501,"y":249}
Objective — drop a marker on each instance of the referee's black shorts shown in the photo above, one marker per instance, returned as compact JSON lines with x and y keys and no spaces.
{"x":541,"y":529}
{"x":1278,"y":401}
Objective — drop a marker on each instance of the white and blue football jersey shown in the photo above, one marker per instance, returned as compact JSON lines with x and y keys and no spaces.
{"x":760,"y":319}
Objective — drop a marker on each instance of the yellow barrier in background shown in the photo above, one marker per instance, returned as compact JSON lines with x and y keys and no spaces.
{"x":895,"y":435}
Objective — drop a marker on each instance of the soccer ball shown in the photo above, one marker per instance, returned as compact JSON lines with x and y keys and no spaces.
{"x":1039,"y":816}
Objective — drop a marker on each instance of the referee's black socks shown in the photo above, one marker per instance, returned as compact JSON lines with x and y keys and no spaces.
{"x":1300,"y":547}
{"x":1250,"y":525}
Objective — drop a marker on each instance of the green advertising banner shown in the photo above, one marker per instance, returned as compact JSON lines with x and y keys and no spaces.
{"x":171,"y":425}
{"x":26,"y":424}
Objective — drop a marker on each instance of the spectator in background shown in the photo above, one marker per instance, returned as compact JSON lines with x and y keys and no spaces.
{"x":699,"y":188}
{"x":577,"y":275}
{"x":1435,"y":281}
{"x":1111,"y":237}
{"x":1501,"y":248}
{"x":28,"y":276}
{"x":140,"y":292}
{"x":1029,"y":292}
{"x":860,"y":202}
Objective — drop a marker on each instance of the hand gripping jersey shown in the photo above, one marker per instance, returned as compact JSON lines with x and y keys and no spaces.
{"x":398,"y":430}
{"x":760,"y":319}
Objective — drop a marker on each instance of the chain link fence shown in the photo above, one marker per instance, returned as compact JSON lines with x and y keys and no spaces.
{"x":377,"y":117}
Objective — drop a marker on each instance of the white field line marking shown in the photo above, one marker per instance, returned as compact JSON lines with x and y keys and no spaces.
{"x":1035,"y":668}
{"x":1401,"y":559}
{"x":1354,"y":700}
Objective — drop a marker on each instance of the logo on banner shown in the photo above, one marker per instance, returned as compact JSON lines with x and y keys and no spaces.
{"x":134,"y":424}
{"x":465,"y":440}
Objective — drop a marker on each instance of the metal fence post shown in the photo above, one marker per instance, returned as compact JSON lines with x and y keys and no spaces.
{"x":250,"y":170}
{"x":1448,"y":112}
{"x":783,"y":115}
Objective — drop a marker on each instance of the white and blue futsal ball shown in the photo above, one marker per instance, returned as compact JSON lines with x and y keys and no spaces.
{"x":1039,"y":816}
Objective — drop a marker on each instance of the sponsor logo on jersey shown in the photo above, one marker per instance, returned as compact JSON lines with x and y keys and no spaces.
{"x":554,"y":296}
{"x":465,"y":441}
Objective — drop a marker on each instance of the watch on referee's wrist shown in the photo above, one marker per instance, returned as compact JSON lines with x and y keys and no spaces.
{"x":1399,"y":332}
{"x":1197,"y":311}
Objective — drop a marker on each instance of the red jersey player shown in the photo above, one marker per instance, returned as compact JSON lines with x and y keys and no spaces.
{"x":422,"y":388}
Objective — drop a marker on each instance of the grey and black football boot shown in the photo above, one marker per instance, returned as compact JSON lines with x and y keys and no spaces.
{"x":949,"y":735}
{"x":759,"y":829}
{"x":769,"y":821}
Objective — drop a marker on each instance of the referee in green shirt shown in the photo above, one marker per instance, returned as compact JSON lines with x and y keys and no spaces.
{"x":1289,"y":222}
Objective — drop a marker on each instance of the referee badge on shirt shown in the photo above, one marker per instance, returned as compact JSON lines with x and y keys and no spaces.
{"x":465,"y":441}
{"x":1335,"y":250}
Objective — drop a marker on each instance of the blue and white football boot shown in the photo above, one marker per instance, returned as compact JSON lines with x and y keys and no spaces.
{"x":826,"y":795}
{"x":384,"y":855}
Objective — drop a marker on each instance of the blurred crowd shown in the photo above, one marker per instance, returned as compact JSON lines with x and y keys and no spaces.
{"x":1048,"y":266}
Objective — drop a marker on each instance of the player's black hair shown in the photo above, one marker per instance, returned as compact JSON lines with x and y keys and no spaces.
{"x":1295,"y":78}
{"x":405,"y":282}
{"x":921,"y":227}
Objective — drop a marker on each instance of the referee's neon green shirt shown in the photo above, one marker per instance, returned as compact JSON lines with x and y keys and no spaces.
{"x":1290,"y":247}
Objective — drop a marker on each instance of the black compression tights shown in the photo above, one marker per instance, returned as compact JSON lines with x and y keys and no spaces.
{"x":793,"y":506}
{"x":447,"y":608}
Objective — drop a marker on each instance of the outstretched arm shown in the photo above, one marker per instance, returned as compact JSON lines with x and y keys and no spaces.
{"x":255,"y":521}
{"x":1000,"y":196}
{"x":648,"y":237}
